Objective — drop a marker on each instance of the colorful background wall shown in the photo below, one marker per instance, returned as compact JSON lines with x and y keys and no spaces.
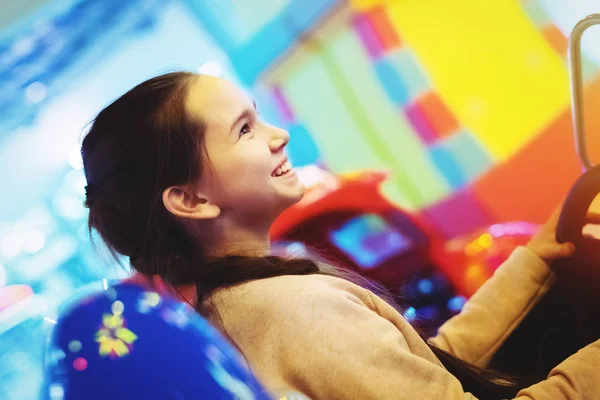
{"x":465,"y":102}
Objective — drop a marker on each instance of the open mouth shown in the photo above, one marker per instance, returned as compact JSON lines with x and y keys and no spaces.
{"x":284,"y":169}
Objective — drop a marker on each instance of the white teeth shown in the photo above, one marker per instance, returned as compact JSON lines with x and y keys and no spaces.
{"x":285,"y":167}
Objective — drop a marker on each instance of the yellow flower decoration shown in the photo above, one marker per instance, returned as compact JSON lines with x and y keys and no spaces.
{"x":115,"y":340}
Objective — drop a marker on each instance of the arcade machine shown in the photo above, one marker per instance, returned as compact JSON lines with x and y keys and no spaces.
{"x":470,"y":260}
{"x":347,"y":220}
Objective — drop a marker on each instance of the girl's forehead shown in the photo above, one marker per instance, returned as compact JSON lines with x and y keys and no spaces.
{"x":214,"y":98}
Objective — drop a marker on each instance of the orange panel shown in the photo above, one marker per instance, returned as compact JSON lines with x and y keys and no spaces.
{"x":385,"y":31}
{"x":531,"y":184}
{"x":557,"y":39}
{"x":438,"y":115}
{"x":592,"y":119}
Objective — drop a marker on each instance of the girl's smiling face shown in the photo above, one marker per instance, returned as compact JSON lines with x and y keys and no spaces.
{"x":247,"y":171}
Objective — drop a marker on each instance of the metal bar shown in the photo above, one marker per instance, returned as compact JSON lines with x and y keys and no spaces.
{"x":577,"y":86}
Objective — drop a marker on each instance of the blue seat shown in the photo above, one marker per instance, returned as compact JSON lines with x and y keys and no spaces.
{"x":130,"y":343}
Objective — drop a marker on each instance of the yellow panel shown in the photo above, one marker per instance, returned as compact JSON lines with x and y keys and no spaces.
{"x":490,"y":65}
{"x":362,"y":5}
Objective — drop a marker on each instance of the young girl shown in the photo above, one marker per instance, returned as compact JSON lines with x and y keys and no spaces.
{"x":185,"y":180}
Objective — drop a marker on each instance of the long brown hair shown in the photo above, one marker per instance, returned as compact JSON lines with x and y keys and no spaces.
{"x":143,"y":143}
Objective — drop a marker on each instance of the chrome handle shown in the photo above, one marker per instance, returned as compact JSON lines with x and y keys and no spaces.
{"x":577,"y":86}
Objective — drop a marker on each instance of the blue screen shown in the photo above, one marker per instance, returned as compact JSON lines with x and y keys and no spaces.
{"x":369,"y":240}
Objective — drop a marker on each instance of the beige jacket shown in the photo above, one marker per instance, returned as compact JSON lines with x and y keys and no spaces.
{"x":331,"y":339}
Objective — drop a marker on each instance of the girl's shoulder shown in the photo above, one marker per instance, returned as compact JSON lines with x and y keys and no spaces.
{"x":297,"y":286}
{"x":287,"y":296}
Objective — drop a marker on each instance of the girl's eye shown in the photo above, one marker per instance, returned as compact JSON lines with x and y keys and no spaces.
{"x":245,"y":129}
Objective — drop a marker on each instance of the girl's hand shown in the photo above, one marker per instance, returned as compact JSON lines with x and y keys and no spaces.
{"x":544,"y":243}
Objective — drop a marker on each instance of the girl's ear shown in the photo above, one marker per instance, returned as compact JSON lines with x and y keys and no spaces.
{"x":184,"y":202}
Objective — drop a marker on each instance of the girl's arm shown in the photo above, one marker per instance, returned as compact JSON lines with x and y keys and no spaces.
{"x":496,"y":309}
{"x":500,"y":305}
{"x":330,"y":340}
{"x":578,"y":377}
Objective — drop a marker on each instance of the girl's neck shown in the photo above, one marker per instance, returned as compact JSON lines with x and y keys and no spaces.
{"x":225,"y":238}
